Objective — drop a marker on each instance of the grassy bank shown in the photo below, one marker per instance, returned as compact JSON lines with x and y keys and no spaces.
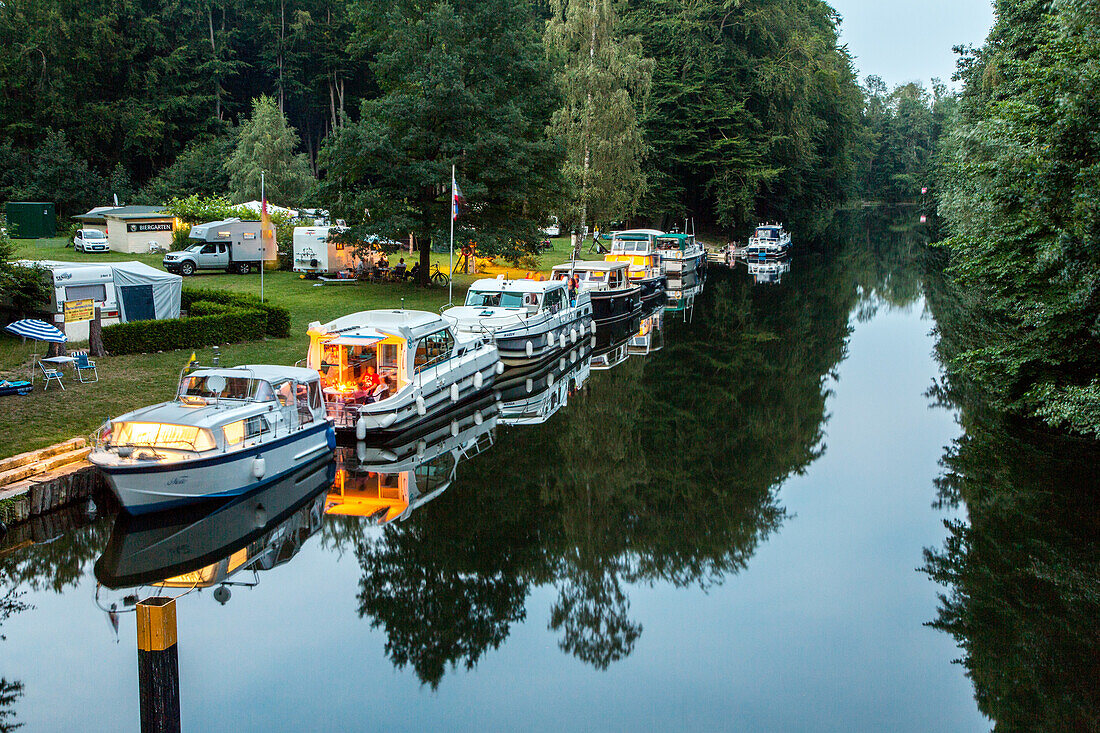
{"x":127,"y":382}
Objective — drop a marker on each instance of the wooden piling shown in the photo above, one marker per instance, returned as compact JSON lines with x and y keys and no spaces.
{"x":158,"y":665}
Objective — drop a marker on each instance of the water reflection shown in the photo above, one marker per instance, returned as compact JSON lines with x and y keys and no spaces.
{"x":769,"y":272}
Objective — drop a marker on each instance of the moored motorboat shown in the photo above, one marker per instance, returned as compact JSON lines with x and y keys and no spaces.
{"x":769,"y":241}
{"x":637,"y":248}
{"x":529,"y":320}
{"x":614,"y":297}
{"x":680,"y":254}
{"x":385,"y":371}
{"x":228,"y":432}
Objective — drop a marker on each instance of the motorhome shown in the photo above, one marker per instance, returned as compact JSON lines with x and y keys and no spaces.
{"x":317,"y":253}
{"x":232,"y":245}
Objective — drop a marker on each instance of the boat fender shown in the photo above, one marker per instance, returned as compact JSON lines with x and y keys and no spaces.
{"x":500,"y":406}
{"x":361,"y":428}
{"x":500,"y":367}
{"x":562,"y":340}
{"x":361,"y":451}
{"x":573,"y":355}
{"x":593,"y":342}
{"x":529,"y":385}
{"x":454,"y":392}
{"x":260,"y":517}
{"x":478,"y":417}
{"x":454,"y":428}
{"x":593,"y":328}
{"x":479,"y":380}
{"x":420,"y":409}
{"x":530,"y":348}
{"x":259,"y":467}
{"x":549,"y":380}
{"x":496,"y":395}
{"x":561,"y":363}
{"x":573,"y":335}
{"x":421,"y":446}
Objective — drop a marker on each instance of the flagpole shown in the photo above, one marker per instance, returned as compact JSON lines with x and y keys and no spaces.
{"x":451,"y":273}
{"x":263,"y":240}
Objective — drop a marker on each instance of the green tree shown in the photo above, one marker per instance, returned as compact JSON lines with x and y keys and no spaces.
{"x":266,"y":144}
{"x":605,"y":80}
{"x":198,"y":170}
{"x":466,"y":84}
{"x":57,"y":174}
{"x":1021,"y":198}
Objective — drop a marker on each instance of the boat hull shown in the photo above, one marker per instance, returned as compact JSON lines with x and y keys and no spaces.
{"x":547,"y":342}
{"x":143,"y":486}
{"x":612,"y":306}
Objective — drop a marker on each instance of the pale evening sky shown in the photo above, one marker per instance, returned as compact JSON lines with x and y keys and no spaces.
{"x":903,"y":41}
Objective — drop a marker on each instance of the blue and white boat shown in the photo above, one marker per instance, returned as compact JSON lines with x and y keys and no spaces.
{"x":228,"y":432}
{"x":769,"y":241}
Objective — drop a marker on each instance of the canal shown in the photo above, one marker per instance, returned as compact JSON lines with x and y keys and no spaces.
{"x":726,"y":532}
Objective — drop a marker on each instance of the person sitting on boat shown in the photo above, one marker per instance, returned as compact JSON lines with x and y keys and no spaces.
{"x":374,"y":384}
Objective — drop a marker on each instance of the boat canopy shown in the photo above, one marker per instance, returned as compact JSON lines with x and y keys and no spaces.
{"x":675,"y":240}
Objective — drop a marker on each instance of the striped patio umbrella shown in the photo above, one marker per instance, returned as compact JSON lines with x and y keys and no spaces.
{"x":29,"y":328}
{"x":37,"y":330}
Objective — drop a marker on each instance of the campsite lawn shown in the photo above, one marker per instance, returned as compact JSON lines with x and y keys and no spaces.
{"x":130,"y":381}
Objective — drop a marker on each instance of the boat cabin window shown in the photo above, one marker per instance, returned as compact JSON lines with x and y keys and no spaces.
{"x":615,"y":278}
{"x":482,"y":299}
{"x":250,"y":427}
{"x":160,"y":435}
{"x":433,"y":348}
{"x":236,"y":388}
{"x":519,"y":300}
{"x":555,"y":300}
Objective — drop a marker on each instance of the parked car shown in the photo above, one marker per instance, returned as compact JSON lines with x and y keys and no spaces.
{"x":91,"y":240}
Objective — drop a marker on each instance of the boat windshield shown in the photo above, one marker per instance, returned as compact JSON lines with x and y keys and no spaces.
{"x":482,"y":299}
{"x":234,"y":388}
{"x":767,"y":233}
{"x":518,"y":300}
{"x":160,"y":435}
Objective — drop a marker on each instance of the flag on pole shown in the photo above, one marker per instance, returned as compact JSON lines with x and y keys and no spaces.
{"x":457,"y":199}
{"x":267,"y":230}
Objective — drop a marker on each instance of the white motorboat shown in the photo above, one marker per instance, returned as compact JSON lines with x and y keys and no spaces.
{"x":530,"y":320}
{"x":228,"y":432}
{"x":638,"y":248}
{"x":769,"y":241}
{"x":680,"y":254}
{"x":614,"y":296}
{"x":385,"y":371}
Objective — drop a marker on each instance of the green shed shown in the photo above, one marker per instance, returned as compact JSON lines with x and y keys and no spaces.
{"x":31,"y":219}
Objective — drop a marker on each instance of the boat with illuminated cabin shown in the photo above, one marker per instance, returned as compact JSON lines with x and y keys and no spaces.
{"x":229,"y":431}
{"x":384,"y":372}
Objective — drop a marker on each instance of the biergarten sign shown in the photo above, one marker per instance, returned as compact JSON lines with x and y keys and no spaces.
{"x":149,"y":226}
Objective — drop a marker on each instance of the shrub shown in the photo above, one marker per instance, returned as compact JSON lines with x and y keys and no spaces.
{"x":207,"y":308}
{"x":278,"y":318}
{"x":192,"y":332}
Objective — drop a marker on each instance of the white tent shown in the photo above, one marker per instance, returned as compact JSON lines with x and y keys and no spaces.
{"x":271,"y":208}
{"x":145,"y":292}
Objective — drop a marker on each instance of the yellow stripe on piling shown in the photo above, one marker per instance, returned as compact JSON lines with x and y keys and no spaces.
{"x":156,"y":624}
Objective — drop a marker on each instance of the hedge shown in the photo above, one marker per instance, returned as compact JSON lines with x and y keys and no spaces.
{"x":214,"y":317}
{"x":278,"y":318}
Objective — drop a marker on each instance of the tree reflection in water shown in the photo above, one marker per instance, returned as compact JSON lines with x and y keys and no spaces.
{"x":663,"y":470}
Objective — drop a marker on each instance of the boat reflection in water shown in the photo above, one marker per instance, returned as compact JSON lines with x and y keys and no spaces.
{"x":384,"y":483}
{"x":650,"y":338}
{"x":683,"y":291}
{"x":769,"y":271}
{"x":205,"y":545}
{"x":532,"y":397}
{"x":609,"y":347}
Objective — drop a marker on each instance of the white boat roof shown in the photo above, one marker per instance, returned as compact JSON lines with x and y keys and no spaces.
{"x":521,"y":285}
{"x":405,"y":323}
{"x":590,"y":266}
{"x":645,"y":232}
{"x":268,"y":372}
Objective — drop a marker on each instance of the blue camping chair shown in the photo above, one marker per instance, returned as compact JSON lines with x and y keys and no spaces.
{"x":51,"y":374}
{"x":83,"y":364}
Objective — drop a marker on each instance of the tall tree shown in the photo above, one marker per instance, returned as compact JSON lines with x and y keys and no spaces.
{"x":604,"y":78}
{"x":465,"y":84}
{"x":266,"y":144}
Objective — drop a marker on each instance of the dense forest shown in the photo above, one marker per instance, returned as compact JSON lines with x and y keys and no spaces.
{"x":731,"y":111}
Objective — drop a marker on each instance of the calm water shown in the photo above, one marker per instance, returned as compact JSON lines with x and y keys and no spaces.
{"x":724,"y":533}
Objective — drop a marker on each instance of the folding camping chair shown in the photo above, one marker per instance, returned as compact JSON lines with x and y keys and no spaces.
{"x":51,"y":373}
{"x":83,"y":364}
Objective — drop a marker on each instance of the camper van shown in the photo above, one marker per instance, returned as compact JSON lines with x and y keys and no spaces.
{"x":315,"y":254}
{"x":123,"y":291}
{"x":71,"y":281}
{"x":231,"y":245}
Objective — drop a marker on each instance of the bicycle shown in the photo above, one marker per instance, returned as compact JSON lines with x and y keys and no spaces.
{"x":437,"y":275}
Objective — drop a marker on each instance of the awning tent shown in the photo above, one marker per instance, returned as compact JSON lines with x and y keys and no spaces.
{"x":145,"y":293}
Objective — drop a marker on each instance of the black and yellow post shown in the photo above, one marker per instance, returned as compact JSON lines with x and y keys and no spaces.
{"x":158,"y":664}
